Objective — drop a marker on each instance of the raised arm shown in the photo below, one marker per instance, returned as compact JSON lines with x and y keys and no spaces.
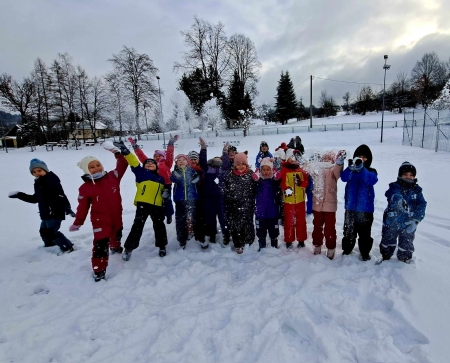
{"x":203,"y":160}
{"x":84,"y":204}
{"x":170,"y":151}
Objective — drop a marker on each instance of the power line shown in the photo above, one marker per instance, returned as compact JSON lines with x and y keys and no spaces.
{"x":335,"y":80}
{"x":301,"y":83}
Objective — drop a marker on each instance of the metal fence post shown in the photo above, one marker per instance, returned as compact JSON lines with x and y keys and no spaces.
{"x":437,"y":137}
{"x":423,"y":129}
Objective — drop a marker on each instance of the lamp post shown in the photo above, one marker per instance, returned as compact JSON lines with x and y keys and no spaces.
{"x":385,"y":67}
{"x":160,"y":110}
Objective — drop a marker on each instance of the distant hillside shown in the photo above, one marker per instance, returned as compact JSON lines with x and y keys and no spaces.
{"x":9,"y":120}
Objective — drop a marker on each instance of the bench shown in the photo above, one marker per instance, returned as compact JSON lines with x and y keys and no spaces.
{"x":208,"y":144}
{"x":49,"y":147}
{"x":31,"y":147}
{"x":233,"y":143}
{"x":90,"y":143}
{"x":63,"y":145}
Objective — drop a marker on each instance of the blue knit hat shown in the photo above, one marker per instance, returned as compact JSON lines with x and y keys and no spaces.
{"x":36,"y":163}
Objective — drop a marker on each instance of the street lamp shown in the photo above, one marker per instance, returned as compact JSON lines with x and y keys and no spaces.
{"x":160,"y":110}
{"x":385,"y":67}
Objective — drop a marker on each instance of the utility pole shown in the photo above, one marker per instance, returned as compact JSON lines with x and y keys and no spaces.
{"x":385,"y":67}
{"x":310,"y":102}
{"x":162,"y":120}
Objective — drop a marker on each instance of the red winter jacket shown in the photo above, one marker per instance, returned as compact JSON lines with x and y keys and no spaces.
{"x":164,"y":165}
{"x":102,"y":196}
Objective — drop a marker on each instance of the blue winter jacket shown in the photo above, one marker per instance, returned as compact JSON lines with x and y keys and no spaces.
{"x":213,"y":176}
{"x":184,"y":188}
{"x":261,"y":155}
{"x":267,"y":198}
{"x":405,"y":202}
{"x":359,"y":192}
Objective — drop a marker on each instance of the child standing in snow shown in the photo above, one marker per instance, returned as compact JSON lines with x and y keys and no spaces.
{"x":148,"y":202}
{"x":100,"y":193}
{"x":240,"y":191}
{"x":267,"y":204}
{"x":406,"y":208}
{"x":164,"y":158}
{"x":52,"y":202}
{"x":214,"y":204}
{"x":185,"y":196}
{"x":263,"y":153}
{"x":325,"y":174}
{"x":199,"y":222}
{"x":359,"y":202}
{"x":294,"y":180}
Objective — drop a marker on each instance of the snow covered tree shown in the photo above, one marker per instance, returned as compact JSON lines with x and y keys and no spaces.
{"x":443,"y":101}
{"x":213,"y":114}
{"x":237,"y":100}
{"x":286,"y":104}
{"x":197,"y":89}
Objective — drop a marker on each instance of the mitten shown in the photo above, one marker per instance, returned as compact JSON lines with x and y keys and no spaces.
{"x":411,"y":225}
{"x":121,"y":146}
{"x":173,"y":140}
{"x":358,"y":164}
{"x":133,"y":143}
{"x":340,"y":157}
{"x":70,"y":212}
{"x":277,"y":175}
{"x":74,"y":228}
{"x":256,"y":176}
{"x":14,"y":194}
{"x":108,"y":145}
{"x":202,"y":143}
{"x":165,"y":194}
{"x":288,"y":192}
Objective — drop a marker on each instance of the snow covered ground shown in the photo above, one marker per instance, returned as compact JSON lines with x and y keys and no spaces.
{"x":214,"y":305}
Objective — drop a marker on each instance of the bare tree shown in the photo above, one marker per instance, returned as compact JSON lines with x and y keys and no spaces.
{"x":346,"y":99}
{"x":117,"y":99}
{"x":137,"y":74}
{"x":43,"y":81}
{"x":365,"y":100}
{"x":244,"y":61}
{"x":18,"y":97}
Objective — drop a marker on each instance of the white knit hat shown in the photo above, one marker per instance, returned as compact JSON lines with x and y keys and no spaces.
{"x":84,"y":163}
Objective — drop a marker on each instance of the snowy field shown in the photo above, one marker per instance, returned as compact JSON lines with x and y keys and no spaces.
{"x":214,"y":305}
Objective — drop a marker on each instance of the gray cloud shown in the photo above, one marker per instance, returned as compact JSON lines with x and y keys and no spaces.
{"x":337,"y":40}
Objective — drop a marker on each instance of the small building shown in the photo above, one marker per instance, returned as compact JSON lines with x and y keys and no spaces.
{"x":84,"y":131}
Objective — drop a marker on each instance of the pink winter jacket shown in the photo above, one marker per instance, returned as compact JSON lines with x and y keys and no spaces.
{"x":325,"y":176}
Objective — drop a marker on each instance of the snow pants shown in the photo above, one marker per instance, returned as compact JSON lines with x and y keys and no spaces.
{"x":143,"y":211}
{"x":324,"y":226}
{"x":294,"y":222}
{"x":185,"y":215}
{"x":264,"y":226}
{"x":242,"y":228}
{"x":199,"y":221}
{"x":357,"y":224}
{"x":389,"y":235}
{"x":105,"y":236}
{"x":51,"y":235}
{"x":215,"y":209}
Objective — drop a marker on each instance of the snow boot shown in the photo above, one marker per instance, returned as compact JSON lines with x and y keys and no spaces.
{"x":239,"y":250}
{"x":63,"y":252}
{"x":162,"y":252}
{"x":212,"y":239}
{"x":126,"y":255}
{"x":301,"y":244}
{"x":365,"y":257}
{"x":99,"y":275}
{"x":226,"y":241}
{"x":317,"y":250}
{"x":274,"y":243}
{"x":289,"y":245}
{"x":330,"y":253}
{"x":116,"y":250}
{"x":183,"y":245}
{"x":204,"y":245}
{"x":262,"y":244}
{"x":404,"y":259}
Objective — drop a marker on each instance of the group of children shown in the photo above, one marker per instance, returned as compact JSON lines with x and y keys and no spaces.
{"x":225,"y":188}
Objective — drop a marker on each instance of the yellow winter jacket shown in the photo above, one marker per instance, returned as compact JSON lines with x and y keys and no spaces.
{"x":296,"y":180}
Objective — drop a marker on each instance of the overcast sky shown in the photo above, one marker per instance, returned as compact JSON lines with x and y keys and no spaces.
{"x":341,"y":40}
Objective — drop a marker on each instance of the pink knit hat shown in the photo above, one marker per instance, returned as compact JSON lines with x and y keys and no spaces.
{"x":160,"y":152}
{"x":241,"y":158}
{"x":182,"y":156}
{"x":267,"y":162}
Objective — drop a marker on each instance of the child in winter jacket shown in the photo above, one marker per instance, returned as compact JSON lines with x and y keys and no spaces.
{"x":52,"y":202}
{"x":267,"y":204}
{"x":240,"y":192}
{"x":263,"y":153}
{"x":164,"y":158}
{"x":325,"y":174}
{"x":359,"y":202}
{"x":199,"y":222}
{"x":100,"y":192}
{"x":294,"y":180}
{"x":185,"y":196}
{"x":214,"y":203}
{"x":406,"y":208}
{"x":148,"y":202}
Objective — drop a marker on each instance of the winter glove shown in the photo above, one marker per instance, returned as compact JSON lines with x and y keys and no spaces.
{"x":357,"y":165}
{"x":74,"y":228}
{"x":225,"y":147}
{"x":70,"y":212}
{"x":350,"y":163}
{"x":288,"y":192}
{"x":121,"y":146}
{"x":108,"y":145}
{"x":202,"y":143}
{"x":14,"y":194}
{"x":340,"y":157}
{"x":133,"y":143}
{"x":256,"y":176}
{"x":173,"y":140}
{"x":412,"y":225}
{"x":165,"y":194}
{"x":195,"y":179}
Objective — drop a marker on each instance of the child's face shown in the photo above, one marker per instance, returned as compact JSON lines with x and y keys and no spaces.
{"x":150,"y":166}
{"x":231,"y":154}
{"x":241,"y":167}
{"x":194,"y":162}
{"x":264,"y":149}
{"x":363,"y":158}
{"x":95,"y":167}
{"x":292,"y":160}
{"x":158,"y":157}
{"x":38,"y":172}
{"x":408,"y":175}
{"x":265,"y":171}
{"x":181,"y":163}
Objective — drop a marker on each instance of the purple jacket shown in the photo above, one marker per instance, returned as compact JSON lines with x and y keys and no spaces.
{"x":268,"y":198}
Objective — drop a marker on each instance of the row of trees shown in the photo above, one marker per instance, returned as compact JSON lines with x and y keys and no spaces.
{"x":55,"y":98}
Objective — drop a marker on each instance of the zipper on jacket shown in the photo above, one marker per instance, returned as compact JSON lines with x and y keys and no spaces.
{"x":185,"y":184}
{"x":143,"y":189}
{"x":154,"y":200}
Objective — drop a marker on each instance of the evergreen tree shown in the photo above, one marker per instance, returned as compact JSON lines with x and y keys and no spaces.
{"x":197,"y":89}
{"x":235,"y":102}
{"x":286,"y":105}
